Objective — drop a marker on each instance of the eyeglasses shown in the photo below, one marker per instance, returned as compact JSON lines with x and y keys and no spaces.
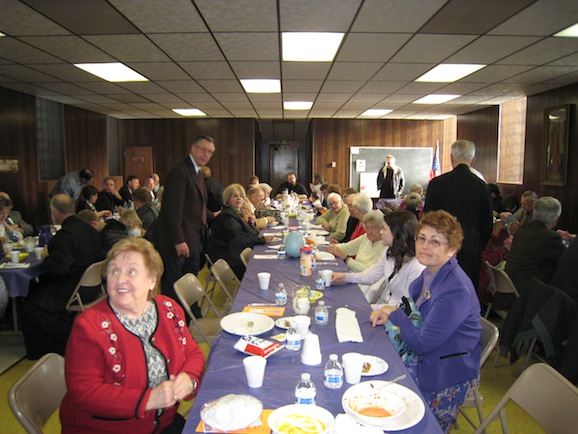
{"x":237,"y":196}
{"x":433,"y":242}
{"x":205,"y":150}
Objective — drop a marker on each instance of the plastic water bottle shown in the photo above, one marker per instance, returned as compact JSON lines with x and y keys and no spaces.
{"x":321,"y":314}
{"x":292,"y":337}
{"x":305,"y":392}
{"x":281,"y":295}
{"x":333,"y":373}
{"x":281,"y":253}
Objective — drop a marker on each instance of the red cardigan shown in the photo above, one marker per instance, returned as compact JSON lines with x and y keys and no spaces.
{"x":106,"y":372}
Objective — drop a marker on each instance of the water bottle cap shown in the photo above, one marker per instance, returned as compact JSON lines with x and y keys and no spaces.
{"x":333,"y":357}
{"x":306,"y":376}
{"x":321,"y":303}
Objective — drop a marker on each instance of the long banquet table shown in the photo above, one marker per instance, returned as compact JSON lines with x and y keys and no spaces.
{"x":225,"y":373}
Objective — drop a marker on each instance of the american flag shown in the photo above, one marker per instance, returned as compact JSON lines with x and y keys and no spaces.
{"x":435,"y":164}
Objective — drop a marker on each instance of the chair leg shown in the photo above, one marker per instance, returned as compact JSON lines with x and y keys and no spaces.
{"x":504,"y":421}
{"x":529,"y":354}
{"x":496,"y":358}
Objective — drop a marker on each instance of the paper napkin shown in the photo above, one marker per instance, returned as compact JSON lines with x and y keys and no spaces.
{"x":346,"y":326}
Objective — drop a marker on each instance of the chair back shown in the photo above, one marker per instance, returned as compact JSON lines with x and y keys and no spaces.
{"x":245,"y":255}
{"x":490,"y":336}
{"x":549,"y":398}
{"x":38,"y":393}
{"x":92,"y":277}
{"x":226,"y":277}
{"x":189,"y":291}
{"x":501,"y":283}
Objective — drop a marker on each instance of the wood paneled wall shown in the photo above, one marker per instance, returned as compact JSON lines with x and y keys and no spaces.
{"x":481,"y":127}
{"x":332,"y":139}
{"x":18,"y":140}
{"x":233,"y":160}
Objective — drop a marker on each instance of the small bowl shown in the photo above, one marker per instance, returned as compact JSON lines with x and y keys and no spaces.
{"x":376,"y":408}
{"x":316,"y":419}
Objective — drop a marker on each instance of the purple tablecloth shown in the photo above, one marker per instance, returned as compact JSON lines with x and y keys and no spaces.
{"x":18,"y":279}
{"x":225,"y":373}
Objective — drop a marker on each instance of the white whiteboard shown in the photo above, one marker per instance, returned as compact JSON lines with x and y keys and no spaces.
{"x":368,"y":184}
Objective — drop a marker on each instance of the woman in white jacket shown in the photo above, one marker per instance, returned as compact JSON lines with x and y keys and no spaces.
{"x":397,"y":266}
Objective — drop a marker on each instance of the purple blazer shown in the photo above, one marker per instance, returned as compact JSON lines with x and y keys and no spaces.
{"x":448,"y":344}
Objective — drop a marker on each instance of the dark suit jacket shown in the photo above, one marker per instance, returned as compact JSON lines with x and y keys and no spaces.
{"x":214,"y":194}
{"x":107,"y":201}
{"x":535,"y":253}
{"x":465,"y":196}
{"x":184,"y":204}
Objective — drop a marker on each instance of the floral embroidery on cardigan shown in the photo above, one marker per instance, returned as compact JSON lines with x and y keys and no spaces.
{"x":180,"y":324}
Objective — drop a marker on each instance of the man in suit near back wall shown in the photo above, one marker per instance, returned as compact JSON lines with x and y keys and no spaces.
{"x":466,"y":196}
{"x":180,"y":230}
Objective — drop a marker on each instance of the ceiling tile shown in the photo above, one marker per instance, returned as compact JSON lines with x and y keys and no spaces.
{"x":305,"y":70}
{"x":542,"y":18}
{"x":371,"y":47}
{"x":431,"y":48}
{"x":102,"y":87}
{"x":19,"y":52}
{"x":130,"y":48}
{"x":180,"y":86}
{"x":301,"y":85}
{"x":353,"y":70}
{"x":240,"y":15}
{"x":541,"y":73}
{"x":208,"y":70}
{"x":472,"y":16}
{"x":249,"y":46}
{"x":159,"y":70}
{"x":26,"y":74}
{"x":547,"y":50}
{"x":403,"y":71}
{"x":257,"y":69}
{"x":18,"y":20}
{"x":340,"y":86}
{"x":396,"y":16}
{"x":166,"y":16}
{"x":221,"y":85}
{"x":490,"y":49}
{"x":495,"y":73}
{"x":321,"y":15}
{"x":188,"y":46}
{"x":70,"y":48}
{"x":382,"y":87}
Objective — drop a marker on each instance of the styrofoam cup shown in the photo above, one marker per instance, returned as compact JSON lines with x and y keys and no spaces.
{"x":326,"y":275}
{"x":352,"y":365}
{"x":264,"y":279}
{"x":255,"y":370}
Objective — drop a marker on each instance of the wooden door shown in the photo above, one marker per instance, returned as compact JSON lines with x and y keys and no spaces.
{"x":138,"y":160}
{"x":284,"y":159}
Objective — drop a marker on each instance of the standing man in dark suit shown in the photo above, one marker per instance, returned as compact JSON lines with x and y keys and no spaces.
{"x":180,"y":229}
{"x":466,"y":196}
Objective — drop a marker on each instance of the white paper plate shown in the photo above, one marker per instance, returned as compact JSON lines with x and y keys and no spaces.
{"x":283,"y":323}
{"x":376,"y":365}
{"x":231,"y":412}
{"x":275,"y":223}
{"x":325,"y":256}
{"x":247,"y":323}
{"x":415,"y":408}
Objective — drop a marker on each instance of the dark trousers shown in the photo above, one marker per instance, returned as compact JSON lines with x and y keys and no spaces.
{"x":178,"y":266}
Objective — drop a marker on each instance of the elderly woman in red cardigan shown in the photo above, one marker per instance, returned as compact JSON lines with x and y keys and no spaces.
{"x":130,"y":359}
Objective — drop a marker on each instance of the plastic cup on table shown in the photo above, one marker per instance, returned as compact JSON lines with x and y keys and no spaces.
{"x":311,"y":353}
{"x":264,"y":279}
{"x":326,"y":275}
{"x":302,"y":323}
{"x":15,"y":256}
{"x":38,"y":252}
{"x":255,"y":370}
{"x":352,"y":365}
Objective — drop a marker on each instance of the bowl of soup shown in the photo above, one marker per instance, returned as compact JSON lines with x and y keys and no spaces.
{"x":372,"y":405}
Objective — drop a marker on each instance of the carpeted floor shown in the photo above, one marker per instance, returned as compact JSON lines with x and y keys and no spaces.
{"x":494,"y":383}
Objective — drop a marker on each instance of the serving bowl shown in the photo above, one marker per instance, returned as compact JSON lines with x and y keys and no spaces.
{"x":372,"y":406}
{"x":302,"y":419}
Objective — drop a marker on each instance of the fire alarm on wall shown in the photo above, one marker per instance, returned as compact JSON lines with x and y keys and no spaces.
{"x":333,"y":164}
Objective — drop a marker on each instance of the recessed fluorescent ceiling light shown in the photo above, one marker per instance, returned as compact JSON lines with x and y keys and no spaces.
{"x":375,"y":113}
{"x":570,"y":32}
{"x":189,"y":112}
{"x":115,"y":72}
{"x":310,"y":46}
{"x":297,"y":105}
{"x":449,"y":72}
{"x":255,"y":85}
{"x":435,"y":99}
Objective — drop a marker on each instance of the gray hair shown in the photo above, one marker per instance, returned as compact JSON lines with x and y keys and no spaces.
{"x":531,"y":195}
{"x":374,"y":216}
{"x":412,"y":200}
{"x":362,"y":203}
{"x":266,"y":188}
{"x":547,"y":210}
{"x":463,"y":150}
{"x":332,"y":195}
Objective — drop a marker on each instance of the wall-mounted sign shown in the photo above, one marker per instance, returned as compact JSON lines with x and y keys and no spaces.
{"x":8,"y":165}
